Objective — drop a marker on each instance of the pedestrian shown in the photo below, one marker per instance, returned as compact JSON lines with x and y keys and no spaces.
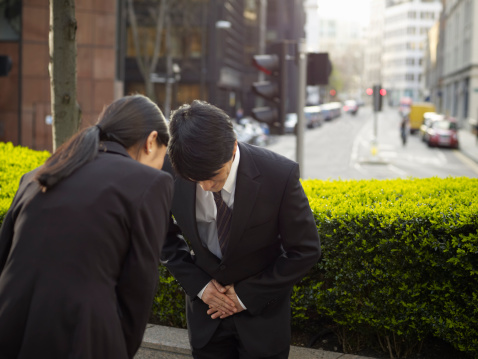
{"x":81,"y":242}
{"x":404,"y":129}
{"x":251,"y":232}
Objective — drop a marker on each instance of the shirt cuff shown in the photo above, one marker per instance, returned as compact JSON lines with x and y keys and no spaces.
{"x":202,"y":291}
{"x":240,"y":302}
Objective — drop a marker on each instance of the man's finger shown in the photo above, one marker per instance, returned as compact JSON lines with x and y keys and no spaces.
{"x":218,"y":286}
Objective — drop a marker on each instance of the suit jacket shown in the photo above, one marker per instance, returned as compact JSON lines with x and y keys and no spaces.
{"x":273,"y":242}
{"x":79,"y":263}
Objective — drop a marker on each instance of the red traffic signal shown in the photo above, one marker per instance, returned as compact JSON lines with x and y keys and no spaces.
{"x":369,"y":91}
{"x":332,"y":92}
{"x":383,"y":92}
{"x":269,"y":64}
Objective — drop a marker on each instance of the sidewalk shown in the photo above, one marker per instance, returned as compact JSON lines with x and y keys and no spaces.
{"x":160,"y":342}
{"x":468,"y":144}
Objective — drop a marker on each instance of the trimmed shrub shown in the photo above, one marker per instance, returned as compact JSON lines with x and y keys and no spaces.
{"x":169,"y":305}
{"x":400,"y":258}
{"x":15,"y":161}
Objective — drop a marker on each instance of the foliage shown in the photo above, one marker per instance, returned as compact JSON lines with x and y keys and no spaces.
{"x":400,"y":258}
{"x":15,"y":161}
{"x":169,"y":303}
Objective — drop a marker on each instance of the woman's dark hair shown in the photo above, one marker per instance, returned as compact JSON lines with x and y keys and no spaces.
{"x":202,"y":140}
{"x":127,"y":121}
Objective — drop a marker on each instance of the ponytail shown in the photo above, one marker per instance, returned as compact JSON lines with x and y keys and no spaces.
{"x":79,"y":150}
{"x":127,"y":121}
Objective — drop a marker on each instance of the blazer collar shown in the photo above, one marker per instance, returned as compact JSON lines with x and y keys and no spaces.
{"x":113,"y":147}
{"x":247,"y":187}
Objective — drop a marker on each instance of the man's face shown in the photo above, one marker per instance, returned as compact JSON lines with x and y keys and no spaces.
{"x":216,"y":183}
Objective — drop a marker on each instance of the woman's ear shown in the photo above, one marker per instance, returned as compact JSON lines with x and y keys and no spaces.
{"x":151,"y":141}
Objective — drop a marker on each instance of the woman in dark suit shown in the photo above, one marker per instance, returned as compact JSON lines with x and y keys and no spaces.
{"x":80,"y":245}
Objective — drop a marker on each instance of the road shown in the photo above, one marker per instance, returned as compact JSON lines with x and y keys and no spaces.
{"x":343,"y":149}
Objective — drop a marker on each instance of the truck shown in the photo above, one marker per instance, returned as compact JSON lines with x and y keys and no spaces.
{"x":415,"y":116}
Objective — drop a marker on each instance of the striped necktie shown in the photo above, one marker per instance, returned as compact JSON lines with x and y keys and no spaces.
{"x":223,"y":221}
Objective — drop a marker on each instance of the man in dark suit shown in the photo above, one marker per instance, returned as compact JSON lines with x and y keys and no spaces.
{"x":239,"y":256}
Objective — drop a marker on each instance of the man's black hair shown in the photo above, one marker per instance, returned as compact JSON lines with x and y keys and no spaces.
{"x":202,"y":140}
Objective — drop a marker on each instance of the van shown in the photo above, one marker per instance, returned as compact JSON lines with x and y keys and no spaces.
{"x":313,"y":116}
{"x":417,"y":110}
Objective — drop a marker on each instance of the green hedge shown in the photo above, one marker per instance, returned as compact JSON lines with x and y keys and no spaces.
{"x":400,"y":258}
{"x":15,"y":161}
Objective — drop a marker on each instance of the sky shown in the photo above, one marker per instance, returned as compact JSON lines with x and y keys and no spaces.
{"x":346,"y":9}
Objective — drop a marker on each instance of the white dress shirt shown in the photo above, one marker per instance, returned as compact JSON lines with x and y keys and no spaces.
{"x":206,"y":212}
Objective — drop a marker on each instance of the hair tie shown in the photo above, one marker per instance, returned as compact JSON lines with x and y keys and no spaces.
{"x":101,"y":130}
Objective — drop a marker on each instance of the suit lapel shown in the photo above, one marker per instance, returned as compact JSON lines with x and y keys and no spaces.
{"x":247,"y":188}
{"x":184,"y":207}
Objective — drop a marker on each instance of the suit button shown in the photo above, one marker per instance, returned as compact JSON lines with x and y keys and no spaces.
{"x":222,"y":267}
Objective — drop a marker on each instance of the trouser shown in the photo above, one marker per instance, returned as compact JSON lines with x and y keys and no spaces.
{"x":225,"y":344}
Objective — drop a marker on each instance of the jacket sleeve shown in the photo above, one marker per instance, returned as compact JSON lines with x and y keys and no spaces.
{"x":301,"y":250}
{"x":177,"y":258}
{"x":7,"y":228}
{"x":138,"y":279}
{"x":6,"y":237}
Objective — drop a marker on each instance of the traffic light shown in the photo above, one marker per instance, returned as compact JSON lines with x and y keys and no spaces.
{"x":5,"y":65}
{"x":378,"y":93}
{"x":273,"y":90}
{"x":319,"y":68}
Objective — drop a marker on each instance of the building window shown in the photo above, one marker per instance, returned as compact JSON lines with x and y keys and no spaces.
{"x":412,"y":15}
{"x":409,"y":77}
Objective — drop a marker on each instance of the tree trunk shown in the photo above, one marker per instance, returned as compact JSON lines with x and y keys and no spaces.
{"x":64,"y":108}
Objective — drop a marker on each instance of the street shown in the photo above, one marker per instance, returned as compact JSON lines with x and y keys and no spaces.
{"x":342,"y":149}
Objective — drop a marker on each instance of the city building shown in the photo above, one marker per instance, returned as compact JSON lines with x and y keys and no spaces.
{"x":213,"y":45}
{"x":374,"y":45}
{"x":339,"y":29}
{"x":25,"y":108}
{"x":456,"y":92}
{"x":406,"y":26}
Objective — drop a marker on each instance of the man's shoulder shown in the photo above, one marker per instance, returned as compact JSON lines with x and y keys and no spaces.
{"x":264,"y":155}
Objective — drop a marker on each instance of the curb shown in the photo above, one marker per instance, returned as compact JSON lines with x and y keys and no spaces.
{"x":160,"y":342}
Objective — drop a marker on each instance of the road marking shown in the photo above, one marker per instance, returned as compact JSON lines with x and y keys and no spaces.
{"x":470,"y":163}
{"x":397,"y":170}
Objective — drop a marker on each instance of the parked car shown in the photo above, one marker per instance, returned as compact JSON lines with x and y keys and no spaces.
{"x":331,"y":110}
{"x":350,"y":106}
{"x":290,"y":122}
{"x":443,"y":133}
{"x":428,"y":119}
{"x":313,"y":116}
{"x":251,"y":131}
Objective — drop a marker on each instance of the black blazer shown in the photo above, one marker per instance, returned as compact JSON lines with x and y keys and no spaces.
{"x":79,"y":263}
{"x":273,"y":243}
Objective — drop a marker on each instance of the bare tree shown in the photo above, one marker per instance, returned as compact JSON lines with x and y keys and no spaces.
{"x":147,"y":63}
{"x":65,"y":110}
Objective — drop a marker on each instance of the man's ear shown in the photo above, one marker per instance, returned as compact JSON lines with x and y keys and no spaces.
{"x":235,"y":149}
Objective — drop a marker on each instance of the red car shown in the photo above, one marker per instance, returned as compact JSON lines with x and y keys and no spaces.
{"x":442,"y":133}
